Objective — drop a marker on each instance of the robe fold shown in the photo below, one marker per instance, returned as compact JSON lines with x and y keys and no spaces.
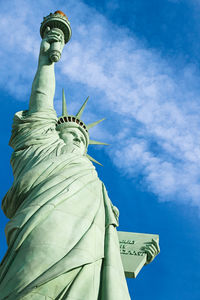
{"x":62,"y":239}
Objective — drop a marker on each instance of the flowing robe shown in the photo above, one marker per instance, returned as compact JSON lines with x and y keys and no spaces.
{"x":62,"y":239}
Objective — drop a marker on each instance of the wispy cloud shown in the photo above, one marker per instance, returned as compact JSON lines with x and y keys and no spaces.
{"x":151,"y":105}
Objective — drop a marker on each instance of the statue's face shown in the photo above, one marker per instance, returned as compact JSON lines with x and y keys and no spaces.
{"x":74,"y":140}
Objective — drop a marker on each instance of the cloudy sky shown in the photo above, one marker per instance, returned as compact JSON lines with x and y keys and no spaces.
{"x":139,"y":61}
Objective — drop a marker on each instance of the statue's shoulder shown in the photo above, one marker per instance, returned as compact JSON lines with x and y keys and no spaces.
{"x":33,"y":128}
{"x":23,"y":115}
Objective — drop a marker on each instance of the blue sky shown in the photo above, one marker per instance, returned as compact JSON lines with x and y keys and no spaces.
{"x":139,"y":62}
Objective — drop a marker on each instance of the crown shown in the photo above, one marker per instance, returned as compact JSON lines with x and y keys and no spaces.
{"x":69,"y":121}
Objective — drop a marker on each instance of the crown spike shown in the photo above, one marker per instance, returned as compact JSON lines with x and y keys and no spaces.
{"x":64,"y":105}
{"x":94,"y":124}
{"x":94,"y":160}
{"x":79,"y":113}
{"x":92,"y":142}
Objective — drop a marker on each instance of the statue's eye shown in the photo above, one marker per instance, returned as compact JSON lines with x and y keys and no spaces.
{"x":72,"y":133}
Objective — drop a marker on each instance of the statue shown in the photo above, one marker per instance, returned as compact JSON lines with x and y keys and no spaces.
{"x":62,"y":238}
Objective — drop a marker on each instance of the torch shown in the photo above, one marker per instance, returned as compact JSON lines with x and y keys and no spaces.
{"x":60,"y":22}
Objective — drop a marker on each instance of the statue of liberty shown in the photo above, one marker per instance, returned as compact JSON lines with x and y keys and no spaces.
{"x":62,"y":239}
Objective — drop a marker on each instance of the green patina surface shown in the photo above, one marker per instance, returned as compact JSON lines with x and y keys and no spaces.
{"x":62,"y":238}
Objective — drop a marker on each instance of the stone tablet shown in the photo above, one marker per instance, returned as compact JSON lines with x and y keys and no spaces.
{"x":133,"y":258}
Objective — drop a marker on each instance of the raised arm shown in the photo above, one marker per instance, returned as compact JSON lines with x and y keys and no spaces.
{"x":43,"y":87}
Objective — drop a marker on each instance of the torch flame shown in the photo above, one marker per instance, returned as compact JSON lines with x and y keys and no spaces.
{"x":61,"y":13}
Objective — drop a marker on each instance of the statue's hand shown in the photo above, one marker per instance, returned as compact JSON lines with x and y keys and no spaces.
{"x":51,"y":36}
{"x":151,"y":249}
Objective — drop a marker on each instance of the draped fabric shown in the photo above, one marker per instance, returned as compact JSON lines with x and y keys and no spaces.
{"x":62,"y":239}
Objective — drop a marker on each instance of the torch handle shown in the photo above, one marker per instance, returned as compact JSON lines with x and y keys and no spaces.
{"x":55,"y":48}
{"x":55,"y":52}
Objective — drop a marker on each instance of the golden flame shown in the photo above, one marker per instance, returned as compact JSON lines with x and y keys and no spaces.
{"x":61,"y":13}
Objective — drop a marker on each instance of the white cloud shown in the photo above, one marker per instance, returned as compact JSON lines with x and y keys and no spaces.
{"x":153,"y":107}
